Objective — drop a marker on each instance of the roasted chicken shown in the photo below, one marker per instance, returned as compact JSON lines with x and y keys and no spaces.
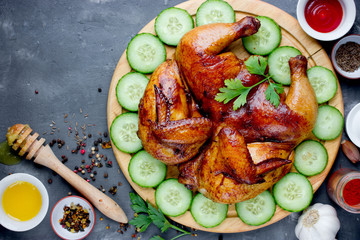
{"x":229,"y":156}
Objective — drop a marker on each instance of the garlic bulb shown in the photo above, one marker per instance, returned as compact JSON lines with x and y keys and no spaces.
{"x":318,"y":222}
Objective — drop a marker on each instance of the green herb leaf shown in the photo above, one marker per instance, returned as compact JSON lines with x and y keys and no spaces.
{"x":256,"y":65}
{"x":157,"y":237}
{"x":272,"y":93}
{"x":152,"y":215}
{"x":158,"y":218}
{"x":234,"y":87}
{"x":241,"y":100}
{"x":141,"y":221}
{"x":138,"y":204}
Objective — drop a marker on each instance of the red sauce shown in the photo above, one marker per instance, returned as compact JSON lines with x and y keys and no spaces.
{"x":323,"y":15}
{"x":351,"y":192}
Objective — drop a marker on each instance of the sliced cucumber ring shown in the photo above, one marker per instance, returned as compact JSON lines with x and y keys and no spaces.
{"x":329,"y":123}
{"x":173,"y":198}
{"x":293,"y":192}
{"x":130,"y":89}
{"x":123,"y":132}
{"x":266,"y":39}
{"x":311,"y":158}
{"x":323,"y":82}
{"x":145,"y":170}
{"x":171,"y":25}
{"x":214,"y":11}
{"x":206,"y":212}
{"x":145,"y":53}
{"x":258,"y":210}
{"x":278,"y":62}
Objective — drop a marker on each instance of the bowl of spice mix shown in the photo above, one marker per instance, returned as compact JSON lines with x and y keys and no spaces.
{"x":72,"y":217}
{"x":345,"y":56}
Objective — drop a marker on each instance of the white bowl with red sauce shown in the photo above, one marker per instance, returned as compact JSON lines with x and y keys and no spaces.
{"x":326,"y":20}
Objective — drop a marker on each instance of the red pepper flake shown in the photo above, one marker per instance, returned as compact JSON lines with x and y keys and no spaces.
{"x":82,"y":151}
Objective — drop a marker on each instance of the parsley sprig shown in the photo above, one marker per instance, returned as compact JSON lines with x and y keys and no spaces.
{"x":234,"y":87}
{"x":145,"y":214}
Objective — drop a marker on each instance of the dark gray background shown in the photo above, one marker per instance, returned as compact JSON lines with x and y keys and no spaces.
{"x":66,"y":50}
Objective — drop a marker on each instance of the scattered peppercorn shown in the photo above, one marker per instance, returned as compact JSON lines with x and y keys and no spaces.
{"x":106,"y":175}
{"x":50,"y":181}
{"x":105,"y":134}
{"x":36,"y":91}
{"x":109,"y":164}
{"x":113,"y":190}
{"x":105,"y":145}
{"x":99,"y":90}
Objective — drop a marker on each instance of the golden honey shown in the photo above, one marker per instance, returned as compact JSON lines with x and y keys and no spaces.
{"x":21,"y":201}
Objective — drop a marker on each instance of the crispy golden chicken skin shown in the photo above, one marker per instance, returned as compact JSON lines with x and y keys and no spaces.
{"x":229,"y":156}
{"x":170,"y":126}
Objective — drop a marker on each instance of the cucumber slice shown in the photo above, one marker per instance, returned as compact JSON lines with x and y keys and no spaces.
{"x":206,"y":212}
{"x":293,"y":192}
{"x":173,"y":198}
{"x":214,"y":11}
{"x":258,"y":210}
{"x":145,"y":170}
{"x":323,"y":82}
{"x":278,"y":62}
{"x":123,"y":132}
{"x":266,"y":39}
{"x":145,"y":53}
{"x":171,"y":25}
{"x":130,"y":89}
{"x":329,"y":123}
{"x":311,"y":158}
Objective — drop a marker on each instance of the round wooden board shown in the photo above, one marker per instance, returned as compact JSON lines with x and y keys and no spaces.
{"x":292,"y":35}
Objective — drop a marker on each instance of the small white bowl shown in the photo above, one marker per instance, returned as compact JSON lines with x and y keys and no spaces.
{"x":57,"y":213}
{"x":351,"y":38}
{"x":353,"y":126}
{"x":349,"y":13}
{"x":20,"y":226}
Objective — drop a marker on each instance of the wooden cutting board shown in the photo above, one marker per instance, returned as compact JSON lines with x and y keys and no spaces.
{"x":292,"y":35}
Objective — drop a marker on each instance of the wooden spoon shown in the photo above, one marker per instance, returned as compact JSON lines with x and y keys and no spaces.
{"x":19,"y":137}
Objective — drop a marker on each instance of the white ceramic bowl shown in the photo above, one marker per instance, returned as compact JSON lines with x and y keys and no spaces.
{"x":20,"y":226}
{"x":349,"y":13}
{"x":57,"y":213}
{"x":350,"y":38}
{"x":352,"y":125}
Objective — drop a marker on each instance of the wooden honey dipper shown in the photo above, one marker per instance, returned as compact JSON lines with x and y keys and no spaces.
{"x":19,"y":137}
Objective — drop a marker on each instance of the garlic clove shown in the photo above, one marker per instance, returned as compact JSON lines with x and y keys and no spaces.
{"x":350,"y":151}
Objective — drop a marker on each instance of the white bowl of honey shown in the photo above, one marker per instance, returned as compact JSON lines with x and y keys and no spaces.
{"x":24,"y":202}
